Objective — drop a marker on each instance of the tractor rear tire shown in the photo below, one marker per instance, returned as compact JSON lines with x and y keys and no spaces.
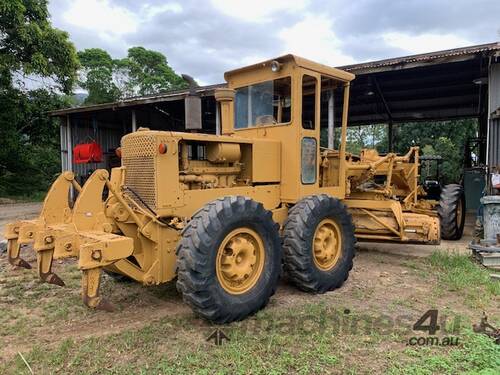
{"x":451,"y":211}
{"x":316,"y":224}
{"x":229,"y":259}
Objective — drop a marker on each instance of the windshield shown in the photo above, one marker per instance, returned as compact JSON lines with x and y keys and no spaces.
{"x":265,"y":103}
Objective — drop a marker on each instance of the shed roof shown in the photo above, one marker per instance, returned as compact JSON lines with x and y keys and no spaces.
{"x":386,"y":65}
{"x":139,"y":100}
{"x":449,"y":55}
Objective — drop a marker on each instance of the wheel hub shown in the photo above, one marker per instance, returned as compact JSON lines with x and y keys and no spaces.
{"x":327,"y":244}
{"x":240,"y":260}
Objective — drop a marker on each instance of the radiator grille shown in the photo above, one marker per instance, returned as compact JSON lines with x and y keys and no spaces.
{"x":139,"y":152}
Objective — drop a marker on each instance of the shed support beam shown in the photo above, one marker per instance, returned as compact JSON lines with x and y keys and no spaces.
{"x":483,"y":112}
{"x":69,"y":143}
{"x":134,"y":121}
{"x":331,"y":125}
{"x":390,"y":136}
{"x":387,"y":111}
{"x":382,"y":98}
{"x":69,"y":146}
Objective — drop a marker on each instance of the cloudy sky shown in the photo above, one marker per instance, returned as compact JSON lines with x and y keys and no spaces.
{"x":204,"y":38}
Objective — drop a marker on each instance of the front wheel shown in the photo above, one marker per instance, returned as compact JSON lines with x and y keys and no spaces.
{"x":318,"y":244}
{"x":229,"y":259}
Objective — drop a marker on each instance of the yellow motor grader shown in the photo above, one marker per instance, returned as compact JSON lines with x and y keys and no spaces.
{"x":223,"y":214}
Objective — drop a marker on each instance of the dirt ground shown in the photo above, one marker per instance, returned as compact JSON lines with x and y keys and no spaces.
{"x":17,"y":211}
{"x":389,"y":279}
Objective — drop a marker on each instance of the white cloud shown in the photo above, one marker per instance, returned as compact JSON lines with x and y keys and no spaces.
{"x":257,"y":10}
{"x":423,"y":43}
{"x":149,"y":11}
{"x":204,"y":38}
{"x":107,"y":20}
{"x":314,"y":39}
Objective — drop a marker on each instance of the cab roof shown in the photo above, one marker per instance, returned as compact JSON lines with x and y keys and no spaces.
{"x":298,"y":61}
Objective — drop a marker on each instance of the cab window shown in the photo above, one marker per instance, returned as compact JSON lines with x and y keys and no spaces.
{"x":308,"y":160}
{"x":331,"y":109}
{"x":265,"y":103}
{"x":309,"y":102}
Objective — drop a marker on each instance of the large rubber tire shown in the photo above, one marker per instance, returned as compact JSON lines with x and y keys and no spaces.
{"x":197,"y":256}
{"x":451,"y":211}
{"x":299,"y":231}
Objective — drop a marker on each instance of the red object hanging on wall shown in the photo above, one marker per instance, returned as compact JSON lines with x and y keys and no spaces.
{"x":87,"y":153}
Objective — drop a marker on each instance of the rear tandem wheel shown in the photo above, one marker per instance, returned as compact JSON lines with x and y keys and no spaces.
{"x":318,"y":244}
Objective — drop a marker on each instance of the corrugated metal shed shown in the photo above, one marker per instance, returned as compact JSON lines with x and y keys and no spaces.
{"x":456,"y":54}
{"x":494,"y":112}
{"x":139,"y":100}
{"x":363,"y":69}
{"x":432,"y":86}
{"x":494,"y":86}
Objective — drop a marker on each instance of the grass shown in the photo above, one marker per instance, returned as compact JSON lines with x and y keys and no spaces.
{"x":309,"y":338}
{"x":179,"y":346}
{"x":477,"y":354}
{"x":300,"y":340}
{"x":458,"y":273}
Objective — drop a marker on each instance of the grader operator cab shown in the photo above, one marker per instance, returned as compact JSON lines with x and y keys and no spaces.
{"x":224,"y":213}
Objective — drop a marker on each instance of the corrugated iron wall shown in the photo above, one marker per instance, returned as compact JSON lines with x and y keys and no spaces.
{"x":494,"y":142}
{"x":494,"y":87}
{"x":84,"y":131}
{"x":494,"y":122}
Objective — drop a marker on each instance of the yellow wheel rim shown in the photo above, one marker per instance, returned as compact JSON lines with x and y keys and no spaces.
{"x":240,"y":260}
{"x":327,"y":244}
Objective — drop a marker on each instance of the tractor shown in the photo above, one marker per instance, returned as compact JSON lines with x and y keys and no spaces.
{"x":224,"y":215}
{"x":450,"y":198}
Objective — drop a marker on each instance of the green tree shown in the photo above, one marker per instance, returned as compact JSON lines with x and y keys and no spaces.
{"x":31,"y":47}
{"x":148,"y":72}
{"x":142,"y":72}
{"x":97,"y":76}
{"x":29,"y":156}
{"x":29,"y":44}
{"x":364,"y":136}
{"x":446,"y":138}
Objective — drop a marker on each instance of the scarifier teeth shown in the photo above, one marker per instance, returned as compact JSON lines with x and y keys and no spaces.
{"x":19,"y":262}
{"x":52,"y":278}
{"x":105,"y":305}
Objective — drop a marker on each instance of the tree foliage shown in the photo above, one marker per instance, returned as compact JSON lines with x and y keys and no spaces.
{"x":29,"y":45}
{"x":96,"y":76}
{"x":365,"y":136}
{"x":29,"y":156}
{"x":444,"y":138}
{"x":149,"y":72}
{"x":142,"y":72}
